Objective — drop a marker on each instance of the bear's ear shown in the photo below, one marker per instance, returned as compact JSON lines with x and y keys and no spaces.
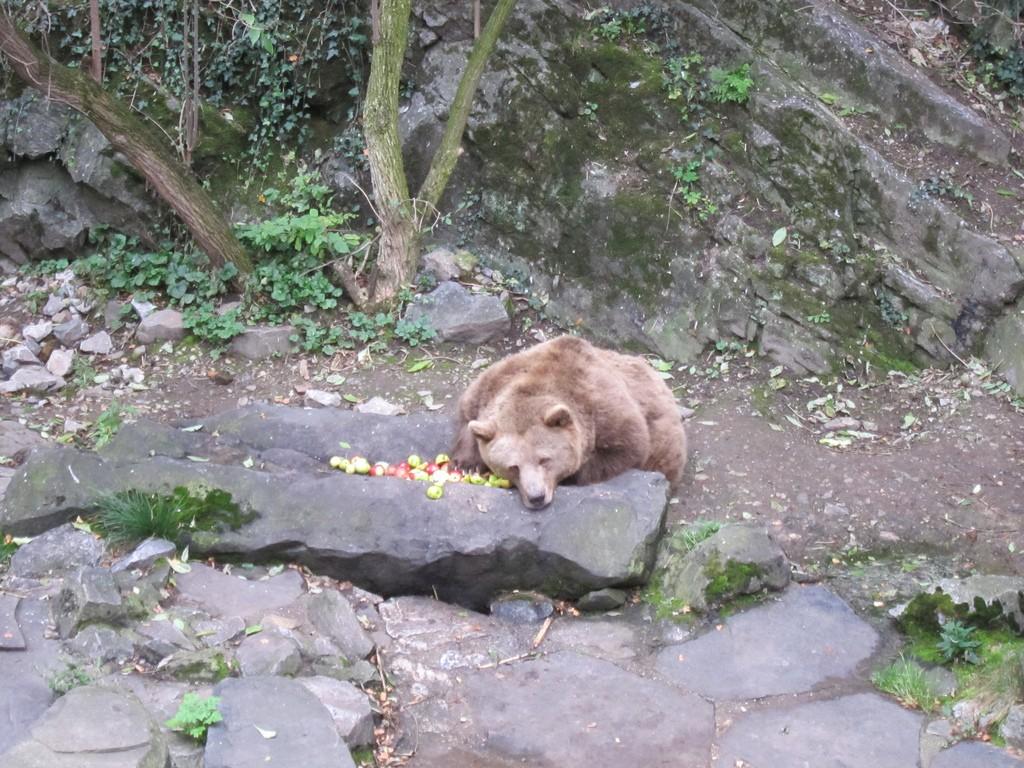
{"x":484,"y":430}
{"x":558,"y":416}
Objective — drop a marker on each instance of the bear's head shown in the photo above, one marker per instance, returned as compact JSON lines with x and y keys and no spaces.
{"x":535,"y":444}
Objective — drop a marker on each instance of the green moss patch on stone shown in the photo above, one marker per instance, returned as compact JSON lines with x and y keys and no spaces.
{"x":728,"y":579}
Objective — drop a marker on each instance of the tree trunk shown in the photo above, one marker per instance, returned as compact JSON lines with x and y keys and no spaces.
{"x":400,"y":230}
{"x":97,"y":40}
{"x":143,"y":148}
{"x":396,"y":257}
{"x":448,"y":152}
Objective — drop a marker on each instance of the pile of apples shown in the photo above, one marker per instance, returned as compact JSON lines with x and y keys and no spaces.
{"x":436,"y":472}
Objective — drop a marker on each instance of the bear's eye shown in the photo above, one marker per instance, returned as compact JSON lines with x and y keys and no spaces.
{"x":545,"y":462}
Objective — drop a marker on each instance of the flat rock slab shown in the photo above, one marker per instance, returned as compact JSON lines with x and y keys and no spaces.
{"x":859,"y":731}
{"x":381,"y":534}
{"x":91,"y":727}
{"x":571,"y":710}
{"x":304,"y":732}
{"x":787,"y":646}
{"x":225,"y":596}
{"x":975,"y":754}
{"x":11,"y":638}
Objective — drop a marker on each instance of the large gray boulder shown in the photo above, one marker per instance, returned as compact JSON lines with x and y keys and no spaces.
{"x":94,"y":727}
{"x":382,"y":534}
{"x":273,"y":721}
{"x":459,"y":315}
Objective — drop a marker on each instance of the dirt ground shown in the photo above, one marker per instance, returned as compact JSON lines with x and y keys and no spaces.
{"x":933,"y":464}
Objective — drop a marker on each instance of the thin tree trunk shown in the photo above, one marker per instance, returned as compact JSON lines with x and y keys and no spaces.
{"x":97,"y":40}
{"x":448,"y":152}
{"x":476,"y":19}
{"x":396,"y":257}
{"x":143,"y":148}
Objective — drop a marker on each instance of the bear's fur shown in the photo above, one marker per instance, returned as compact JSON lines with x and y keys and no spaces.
{"x":566,"y":410}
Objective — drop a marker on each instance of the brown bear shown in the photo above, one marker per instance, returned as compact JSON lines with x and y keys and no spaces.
{"x":566,"y":410}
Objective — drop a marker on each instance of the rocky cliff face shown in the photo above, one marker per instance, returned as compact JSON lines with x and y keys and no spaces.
{"x":600,"y":163}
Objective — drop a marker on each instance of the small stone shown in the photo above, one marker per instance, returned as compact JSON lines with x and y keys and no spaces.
{"x":434,"y":19}
{"x":113,"y":314}
{"x":841,"y":422}
{"x":54,"y":304}
{"x":71,"y":331}
{"x":97,"y":344}
{"x":58,"y":551}
{"x":162,"y":325}
{"x":207,"y":665}
{"x":72,"y":427}
{"x":1012,"y":727}
{"x":975,"y":754}
{"x":160,"y":639}
{"x":361,"y":672}
{"x":102,"y":644}
{"x":38,"y":331}
{"x":268,"y":653}
{"x":602,"y":600}
{"x":18,"y":357}
{"x":440,"y":262}
{"x":32,"y":379}
{"x":90,"y":595}
{"x":262,"y":342}
{"x":143,"y":308}
{"x":522,"y":608}
{"x":322,"y":398}
{"x":348,"y":705}
{"x":686,"y":413}
{"x":61,"y":362}
{"x":11,"y":638}
{"x":145,"y":555}
{"x":213,"y":632}
{"x":332,"y":615}
{"x":379,"y":407}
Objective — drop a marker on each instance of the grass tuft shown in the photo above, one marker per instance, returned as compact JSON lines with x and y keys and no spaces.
{"x":131,"y":516}
{"x":906,"y":681}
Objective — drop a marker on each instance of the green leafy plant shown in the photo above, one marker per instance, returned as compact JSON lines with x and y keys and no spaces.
{"x":957,"y":642}
{"x":131,"y":516}
{"x":45,"y":267}
{"x":83,"y":374}
{"x":195,"y":715}
{"x":1000,"y":66}
{"x":69,"y":678}
{"x":616,"y":25}
{"x":266,"y":57}
{"x":687,"y":178}
{"x":681,"y":79}
{"x":939,"y":187}
{"x":731,"y":85}
{"x":108,"y":423}
{"x":313,"y":337}
{"x":8,"y":546}
{"x":215,"y":328}
{"x":415,"y":332}
{"x":821,"y":318}
{"x":118,"y":265}
{"x":906,"y":681}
